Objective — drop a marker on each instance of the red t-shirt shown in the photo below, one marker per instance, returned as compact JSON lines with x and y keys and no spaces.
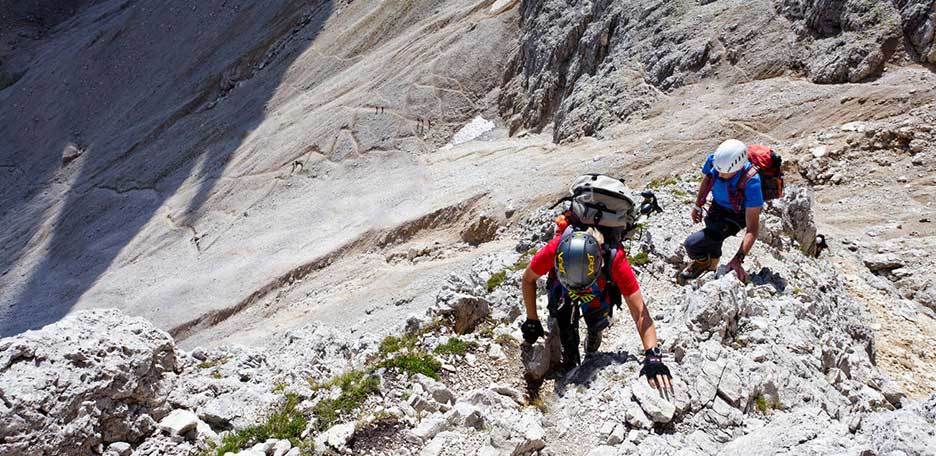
{"x":621,"y":272}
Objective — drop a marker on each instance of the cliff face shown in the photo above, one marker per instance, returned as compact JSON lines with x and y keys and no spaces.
{"x":584,"y":66}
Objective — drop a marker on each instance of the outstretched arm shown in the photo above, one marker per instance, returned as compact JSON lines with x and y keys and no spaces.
{"x":658,"y":375}
{"x":641,"y":316}
{"x":528,"y":287}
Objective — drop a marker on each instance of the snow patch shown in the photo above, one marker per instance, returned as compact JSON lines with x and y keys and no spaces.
{"x":471,"y":131}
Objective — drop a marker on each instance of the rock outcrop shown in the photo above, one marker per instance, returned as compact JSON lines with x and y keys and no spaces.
{"x":584,"y":66}
{"x":89,"y":381}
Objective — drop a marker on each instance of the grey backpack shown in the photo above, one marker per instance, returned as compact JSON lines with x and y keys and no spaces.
{"x":599,"y":200}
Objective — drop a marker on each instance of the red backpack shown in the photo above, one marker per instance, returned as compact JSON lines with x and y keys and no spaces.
{"x":767,"y":165}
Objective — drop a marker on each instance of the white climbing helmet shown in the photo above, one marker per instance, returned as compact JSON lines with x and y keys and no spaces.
{"x":731,"y":156}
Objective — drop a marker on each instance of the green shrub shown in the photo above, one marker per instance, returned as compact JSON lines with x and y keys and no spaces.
{"x":455,"y":346}
{"x":285,"y":422}
{"x":389,"y":345}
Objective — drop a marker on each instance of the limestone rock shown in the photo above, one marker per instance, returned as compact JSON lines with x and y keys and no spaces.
{"x":543,"y":356}
{"x":94,"y":376}
{"x":335,"y":438}
{"x":657,"y":408}
{"x":178,"y":422}
{"x":436,"y":389}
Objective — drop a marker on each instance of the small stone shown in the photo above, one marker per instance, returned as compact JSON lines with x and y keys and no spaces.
{"x":119,"y":449}
{"x":436,"y":389}
{"x":429,"y":427}
{"x":636,"y":417}
{"x":603,"y":450}
{"x":606,"y":429}
{"x":465,"y":415}
{"x":420,"y":404}
{"x":336,"y":437}
{"x":282,"y":448}
{"x":617,"y":435}
{"x":496,"y":352}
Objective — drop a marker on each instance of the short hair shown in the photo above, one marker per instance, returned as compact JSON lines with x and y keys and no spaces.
{"x":595,"y":234}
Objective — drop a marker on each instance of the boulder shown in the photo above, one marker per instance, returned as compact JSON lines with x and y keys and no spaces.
{"x":543,"y":356}
{"x":93,"y":377}
{"x":657,"y":407}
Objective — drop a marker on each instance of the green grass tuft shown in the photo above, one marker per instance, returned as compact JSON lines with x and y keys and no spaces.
{"x":505,"y":340}
{"x":412,"y":364}
{"x":455,"y":346}
{"x":760,"y":403}
{"x":661,"y":182}
{"x":765,"y":404}
{"x":355,"y":386}
{"x":639,"y":259}
{"x":285,"y":422}
{"x":496,"y":280}
{"x":209,"y":363}
{"x":390,"y":344}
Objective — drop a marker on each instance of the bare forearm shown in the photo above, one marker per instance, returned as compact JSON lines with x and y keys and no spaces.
{"x":642,"y":320}
{"x":752,"y":221}
{"x":528,"y":288}
{"x":704,"y":188}
{"x":747,"y":243}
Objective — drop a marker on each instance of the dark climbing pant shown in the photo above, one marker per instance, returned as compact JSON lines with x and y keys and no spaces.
{"x":567,"y":318}
{"x":720,"y":224}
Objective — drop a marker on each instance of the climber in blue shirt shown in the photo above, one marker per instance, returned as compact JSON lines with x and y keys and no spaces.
{"x":736,"y":203}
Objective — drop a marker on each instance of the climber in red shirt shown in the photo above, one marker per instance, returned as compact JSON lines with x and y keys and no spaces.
{"x":579,"y":281}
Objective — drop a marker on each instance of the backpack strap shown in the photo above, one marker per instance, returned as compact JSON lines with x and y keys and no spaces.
{"x":737,"y":200}
{"x":611,"y":288}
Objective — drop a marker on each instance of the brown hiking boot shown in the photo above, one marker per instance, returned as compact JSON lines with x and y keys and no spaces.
{"x":695,"y":270}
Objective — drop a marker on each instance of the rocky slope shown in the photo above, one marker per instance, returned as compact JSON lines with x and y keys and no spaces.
{"x":783,"y":365}
{"x":232,"y":171}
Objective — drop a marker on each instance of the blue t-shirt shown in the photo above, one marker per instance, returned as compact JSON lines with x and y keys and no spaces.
{"x":721,"y":190}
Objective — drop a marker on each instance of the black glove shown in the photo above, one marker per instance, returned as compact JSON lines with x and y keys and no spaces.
{"x":653,"y":365}
{"x":532,"y":330}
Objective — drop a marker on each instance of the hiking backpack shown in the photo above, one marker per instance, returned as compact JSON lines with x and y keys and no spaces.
{"x":767,"y":164}
{"x":603,"y":202}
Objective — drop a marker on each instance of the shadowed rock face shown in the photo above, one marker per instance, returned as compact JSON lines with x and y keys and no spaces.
{"x":919,"y":26}
{"x":153,"y":129}
{"x":143,"y":93}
